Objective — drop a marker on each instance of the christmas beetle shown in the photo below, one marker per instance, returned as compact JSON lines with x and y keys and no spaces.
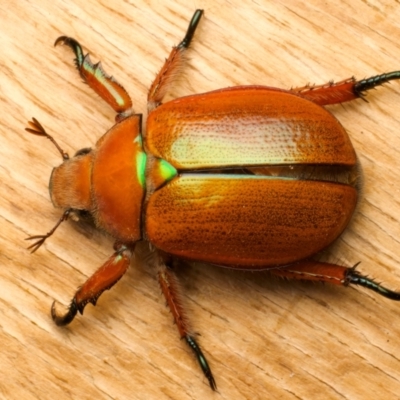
{"x":249,"y":177}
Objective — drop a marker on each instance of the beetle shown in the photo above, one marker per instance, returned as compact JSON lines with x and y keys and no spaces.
{"x":247,"y":177}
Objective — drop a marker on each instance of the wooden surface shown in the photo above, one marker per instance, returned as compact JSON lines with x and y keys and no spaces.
{"x":264,"y":338}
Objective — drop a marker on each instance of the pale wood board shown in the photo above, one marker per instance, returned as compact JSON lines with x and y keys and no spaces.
{"x":264,"y":338}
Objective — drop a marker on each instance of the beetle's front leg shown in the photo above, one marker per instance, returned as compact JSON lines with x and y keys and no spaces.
{"x":103,"y":279}
{"x":103,"y":84}
{"x":170,"y":288}
{"x":172,"y":64}
{"x":346,"y":90}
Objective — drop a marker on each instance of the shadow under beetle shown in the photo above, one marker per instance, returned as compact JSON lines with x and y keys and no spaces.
{"x":247,"y":177}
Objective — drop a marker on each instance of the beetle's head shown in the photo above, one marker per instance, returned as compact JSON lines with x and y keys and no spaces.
{"x":70,"y":182}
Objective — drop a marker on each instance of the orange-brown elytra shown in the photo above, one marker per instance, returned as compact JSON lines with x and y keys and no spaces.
{"x":250,"y":177}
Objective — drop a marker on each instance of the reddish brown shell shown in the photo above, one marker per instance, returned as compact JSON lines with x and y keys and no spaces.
{"x":117,"y":191}
{"x":249,"y":126}
{"x":246,"y":220}
{"x":250,"y":222}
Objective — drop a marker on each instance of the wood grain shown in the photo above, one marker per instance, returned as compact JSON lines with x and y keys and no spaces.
{"x":264,"y":338}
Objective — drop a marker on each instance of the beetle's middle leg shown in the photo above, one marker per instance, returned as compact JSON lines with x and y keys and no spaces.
{"x":172,"y":65}
{"x":171,"y":290}
{"x":311,"y":270}
{"x":103,"y":84}
{"x":346,"y":90}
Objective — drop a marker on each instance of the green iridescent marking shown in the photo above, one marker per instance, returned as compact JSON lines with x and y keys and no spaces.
{"x":167,"y":171}
{"x":141,"y":158}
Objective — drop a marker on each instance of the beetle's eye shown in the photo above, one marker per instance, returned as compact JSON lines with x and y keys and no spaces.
{"x":83,"y":151}
{"x":85,"y":216}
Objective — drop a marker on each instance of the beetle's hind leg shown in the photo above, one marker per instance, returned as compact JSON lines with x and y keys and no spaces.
{"x":325,"y":272}
{"x":171,"y":290}
{"x":346,"y":90}
{"x":172,"y":65}
{"x":103,"y":279}
{"x":103,"y":84}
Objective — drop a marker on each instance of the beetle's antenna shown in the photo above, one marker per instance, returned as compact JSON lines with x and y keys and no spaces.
{"x":37,"y":129}
{"x":42,"y":238}
{"x":356,"y":278}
